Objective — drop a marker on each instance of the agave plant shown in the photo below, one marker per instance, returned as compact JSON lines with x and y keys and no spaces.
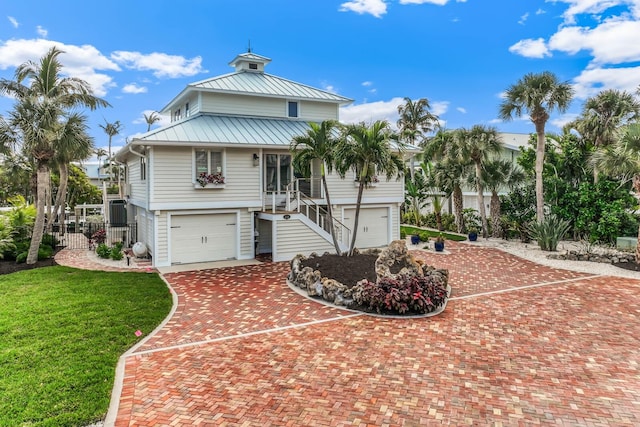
{"x":549,"y":232}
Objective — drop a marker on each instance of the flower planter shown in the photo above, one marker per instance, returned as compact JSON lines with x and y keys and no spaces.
{"x":439,"y":246}
{"x":473,"y":236}
{"x":415,"y":239}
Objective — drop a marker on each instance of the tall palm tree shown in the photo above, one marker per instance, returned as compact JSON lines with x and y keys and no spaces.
{"x":150,"y":119}
{"x":75,"y":145}
{"x":622,"y":161}
{"x":318,"y":144}
{"x":499,"y":174}
{"x":478,"y":144}
{"x":368,"y":149}
{"x":100,"y":153}
{"x":111,"y":129}
{"x":602,"y":116}
{"x":36,"y":119}
{"x":449,"y":175}
{"x":538,"y":95}
{"x":415,"y":121}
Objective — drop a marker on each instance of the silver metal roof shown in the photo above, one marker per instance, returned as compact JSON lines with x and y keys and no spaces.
{"x":227,"y":130}
{"x":262,"y":84}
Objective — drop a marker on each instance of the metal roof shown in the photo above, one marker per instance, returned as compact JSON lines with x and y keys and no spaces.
{"x":262,"y":84}
{"x":227,"y":130}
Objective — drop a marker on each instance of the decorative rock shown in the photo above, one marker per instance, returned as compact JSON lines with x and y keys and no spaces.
{"x":397,"y":253}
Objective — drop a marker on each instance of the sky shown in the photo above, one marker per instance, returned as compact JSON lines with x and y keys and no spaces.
{"x":461,"y":55}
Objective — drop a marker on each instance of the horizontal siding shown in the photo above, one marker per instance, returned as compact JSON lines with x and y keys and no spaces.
{"x":138,"y":187}
{"x":174,"y":177}
{"x":243,"y":105}
{"x":161,"y":253}
{"x":318,"y":111}
{"x":246,"y":235}
{"x":294,"y":237}
{"x":346,"y":188}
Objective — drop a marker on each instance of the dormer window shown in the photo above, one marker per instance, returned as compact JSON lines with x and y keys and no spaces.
{"x":292,"y":109}
{"x":253,"y":66}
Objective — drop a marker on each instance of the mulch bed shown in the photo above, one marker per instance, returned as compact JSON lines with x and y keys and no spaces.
{"x":10,"y":266}
{"x":633,"y":266}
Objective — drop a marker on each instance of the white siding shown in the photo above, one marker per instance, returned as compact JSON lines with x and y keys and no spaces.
{"x":174,"y":178}
{"x":318,"y":111}
{"x":161,"y":253}
{"x":246,"y":235}
{"x":138,"y":187}
{"x":294,"y":237}
{"x":341,"y":190}
{"x":243,"y":105}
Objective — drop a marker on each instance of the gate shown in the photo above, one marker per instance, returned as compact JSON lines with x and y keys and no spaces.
{"x":80,"y":236}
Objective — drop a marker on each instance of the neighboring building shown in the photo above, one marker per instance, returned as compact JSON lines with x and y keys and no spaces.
{"x":94,"y":171}
{"x":236,"y":129}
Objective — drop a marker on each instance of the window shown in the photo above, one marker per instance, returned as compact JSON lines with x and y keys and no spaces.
{"x":292,"y":109}
{"x":143,"y":168}
{"x":209,"y":162}
{"x":253,"y":66}
{"x":176,"y":115}
{"x":186,"y":110}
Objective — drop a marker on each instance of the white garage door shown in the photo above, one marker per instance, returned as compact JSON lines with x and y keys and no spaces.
{"x":203,"y":238}
{"x":373,"y":226}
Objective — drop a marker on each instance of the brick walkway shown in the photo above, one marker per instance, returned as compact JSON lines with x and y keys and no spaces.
{"x":518,"y":344}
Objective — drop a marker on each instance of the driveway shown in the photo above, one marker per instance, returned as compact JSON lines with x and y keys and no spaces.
{"x":518,"y":344}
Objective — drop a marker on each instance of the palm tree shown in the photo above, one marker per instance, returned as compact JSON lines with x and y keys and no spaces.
{"x":498,"y":174}
{"x":538,"y":95}
{"x":151,"y":119}
{"x":37,"y":118}
{"x":100,"y":153}
{"x":318,"y":144}
{"x":602,"y":116}
{"x":622,"y":161}
{"x":478,"y":144}
{"x":415,"y":121}
{"x":75,"y":144}
{"x":416,"y":196}
{"x":368,"y":149}
{"x":111,"y":129}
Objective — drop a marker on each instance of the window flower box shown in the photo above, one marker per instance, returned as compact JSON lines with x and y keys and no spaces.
{"x":374,"y":181}
{"x":209,"y":180}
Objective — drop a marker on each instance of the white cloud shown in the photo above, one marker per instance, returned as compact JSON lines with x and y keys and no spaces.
{"x":161,"y":64}
{"x":42,"y":32}
{"x":523,"y":18}
{"x":593,"y":7}
{"x":383,"y":110}
{"x":593,"y":80}
{"x":559,"y":122}
{"x":540,"y":12}
{"x":531,"y":48}
{"x":376,"y":8}
{"x":367,"y":83}
{"x":462,"y":110}
{"x":13,"y":21}
{"x":437,"y":2}
{"x":79,"y":61}
{"x":614,"y":41}
{"x":134,"y":88}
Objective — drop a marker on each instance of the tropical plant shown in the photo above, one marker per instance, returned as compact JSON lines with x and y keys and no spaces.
{"x":416,"y":197}
{"x":318,"y":144}
{"x":538,"y":95}
{"x":40,"y":111}
{"x":368,"y":150}
{"x":518,"y":210}
{"x":414,"y":123}
{"x":549,"y":232}
{"x":151,"y":118}
{"x":499,"y":174}
{"x":111,"y":129}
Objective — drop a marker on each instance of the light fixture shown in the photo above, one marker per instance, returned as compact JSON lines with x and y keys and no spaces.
{"x":256,"y":159}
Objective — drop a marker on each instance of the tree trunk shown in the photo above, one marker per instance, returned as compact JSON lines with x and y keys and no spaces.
{"x":636,"y":190}
{"x":480,"y":199}
{"x":61,"y":195}
{"x":457,"y":208}
{"x":494,"y":211}
{"x":539,"y":169}
{"x":355,"y":221}
{"x":336,"y":245}
{"x":38,"y":226}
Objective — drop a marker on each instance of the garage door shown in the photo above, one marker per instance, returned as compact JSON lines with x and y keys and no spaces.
{"x":203,"y":238}
{"x":373,"y":226}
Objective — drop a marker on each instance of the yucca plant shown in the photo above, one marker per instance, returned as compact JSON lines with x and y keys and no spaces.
{"x":549,"y":232}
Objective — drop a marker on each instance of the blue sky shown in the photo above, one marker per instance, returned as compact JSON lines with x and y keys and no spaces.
{"x":459,"y":54}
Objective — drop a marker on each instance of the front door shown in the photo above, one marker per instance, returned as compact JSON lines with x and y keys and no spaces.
{"x":277,"y":172}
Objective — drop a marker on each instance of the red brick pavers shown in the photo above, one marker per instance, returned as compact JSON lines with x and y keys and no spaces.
{"x":244,"y":350}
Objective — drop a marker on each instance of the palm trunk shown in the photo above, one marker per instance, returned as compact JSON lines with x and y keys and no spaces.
{"x":539,"y":169}
{"x":457,"y":208}
{"x":38,"y":226}
{"x":480,"y":199}
{"x":355,"y":221}
{"x":496,"y":229}
{"x":336,"y":245}
{"x":62,"y":193}
{"x":636,"y":190}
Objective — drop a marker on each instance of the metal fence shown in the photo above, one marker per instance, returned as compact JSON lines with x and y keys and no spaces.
{"x":83,"y":236}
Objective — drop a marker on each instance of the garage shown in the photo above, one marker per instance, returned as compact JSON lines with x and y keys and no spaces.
{"x":373,"y":226}
{"x":203,"y":238}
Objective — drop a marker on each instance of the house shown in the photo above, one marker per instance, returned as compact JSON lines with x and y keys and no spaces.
{"x":218,"y":182}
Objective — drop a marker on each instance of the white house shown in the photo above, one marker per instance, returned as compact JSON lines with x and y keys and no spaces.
{"x":235,"y":130}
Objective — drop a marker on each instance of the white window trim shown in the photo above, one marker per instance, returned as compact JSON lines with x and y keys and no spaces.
{"x":143,"y":169}
{"x":287,"y":109}
{"x":195,"y":183}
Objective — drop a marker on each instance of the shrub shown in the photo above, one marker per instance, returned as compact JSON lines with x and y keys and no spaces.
{"x":417,"y":294}
{"x":49,"y":240}
{"x":99,"y":236}
{"x":103,"y":251}
{"x":116,"y":253}
{"x":549,"y":232}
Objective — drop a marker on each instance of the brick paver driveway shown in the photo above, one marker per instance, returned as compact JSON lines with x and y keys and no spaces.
{"x":518,"y":344}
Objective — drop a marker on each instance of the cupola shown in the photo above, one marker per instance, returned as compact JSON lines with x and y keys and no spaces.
{"x":250,"y":62}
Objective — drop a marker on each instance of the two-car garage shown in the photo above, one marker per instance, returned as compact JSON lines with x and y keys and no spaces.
{"x":203,"y":237}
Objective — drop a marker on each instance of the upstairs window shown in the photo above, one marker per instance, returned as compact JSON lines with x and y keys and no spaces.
{"x":143,"y":168}
{"x":292,"y":109}
{"x":176,"y":115}
{"x":209,"y":162}
{"x":253,"y":66}
{"x":186,"y":110}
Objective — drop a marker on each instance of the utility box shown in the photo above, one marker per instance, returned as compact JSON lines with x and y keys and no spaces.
{"x":118,"y":213}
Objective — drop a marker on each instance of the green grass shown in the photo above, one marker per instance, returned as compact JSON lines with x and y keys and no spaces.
{"x":408,"y":230}
{"x":62,"y":331}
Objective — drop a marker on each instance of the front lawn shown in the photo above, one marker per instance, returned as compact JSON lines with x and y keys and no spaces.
{"x":430,"y":233}
{"x":62,"y":331}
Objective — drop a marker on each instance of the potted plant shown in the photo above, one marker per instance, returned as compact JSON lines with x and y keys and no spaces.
{"x":473,"y":234}
{"x":415,"y":239}
{"x":439,"y":243}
